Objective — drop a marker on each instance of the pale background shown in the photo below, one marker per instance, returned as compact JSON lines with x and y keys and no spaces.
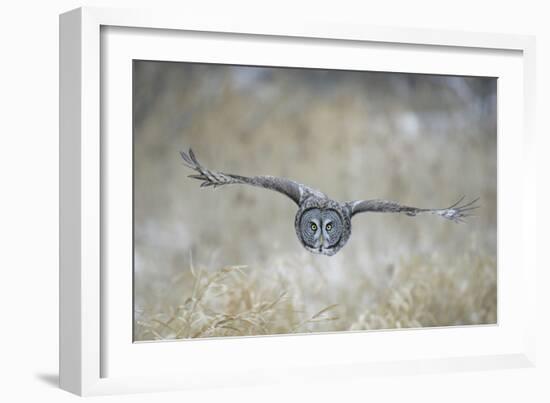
{"x":29,"y":174}
{"x":423,"y":140}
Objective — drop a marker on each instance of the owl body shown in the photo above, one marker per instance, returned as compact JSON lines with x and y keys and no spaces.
{"x":323,"y":225}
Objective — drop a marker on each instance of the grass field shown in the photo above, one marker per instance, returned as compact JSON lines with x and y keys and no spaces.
{"x":295,"y":297}
{"x":226,"y":262}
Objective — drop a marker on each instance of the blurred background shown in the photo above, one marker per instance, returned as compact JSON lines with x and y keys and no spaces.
{"x":227,"y":262}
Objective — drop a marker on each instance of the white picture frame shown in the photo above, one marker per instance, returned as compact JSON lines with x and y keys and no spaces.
{"x":96,"y":354}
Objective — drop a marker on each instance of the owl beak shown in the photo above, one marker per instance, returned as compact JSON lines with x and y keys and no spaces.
{"x":321,"y":241}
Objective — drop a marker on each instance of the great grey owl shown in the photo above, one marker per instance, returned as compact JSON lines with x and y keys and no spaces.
{"x":322,"y":225}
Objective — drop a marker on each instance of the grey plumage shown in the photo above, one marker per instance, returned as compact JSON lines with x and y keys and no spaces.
{"x":322,"y":225}
{"x":455,"y":212}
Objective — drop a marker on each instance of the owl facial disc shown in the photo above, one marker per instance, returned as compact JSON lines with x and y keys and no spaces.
{"x":322,"y":229}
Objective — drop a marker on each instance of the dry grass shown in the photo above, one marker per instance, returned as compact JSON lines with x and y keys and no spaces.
{"x":242,"y":301}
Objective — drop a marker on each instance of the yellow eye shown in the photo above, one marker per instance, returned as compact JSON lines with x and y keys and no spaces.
{"x":313,"y":226}
{"x":329,"y":227}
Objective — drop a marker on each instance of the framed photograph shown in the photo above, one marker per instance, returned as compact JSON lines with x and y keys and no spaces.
{"x":248,"y":201}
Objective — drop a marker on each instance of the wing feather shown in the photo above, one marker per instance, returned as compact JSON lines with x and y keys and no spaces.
{"x":292,"y":189}
{"x":455,"y":212}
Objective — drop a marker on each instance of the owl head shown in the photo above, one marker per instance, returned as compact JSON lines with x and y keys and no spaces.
{"x":323,"y":226}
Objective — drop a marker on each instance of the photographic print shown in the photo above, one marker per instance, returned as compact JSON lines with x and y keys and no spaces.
{"x":280,"y":200}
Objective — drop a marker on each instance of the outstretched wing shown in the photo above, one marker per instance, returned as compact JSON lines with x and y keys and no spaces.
{"x":294,"y":190}
{"x":456,"y":212}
